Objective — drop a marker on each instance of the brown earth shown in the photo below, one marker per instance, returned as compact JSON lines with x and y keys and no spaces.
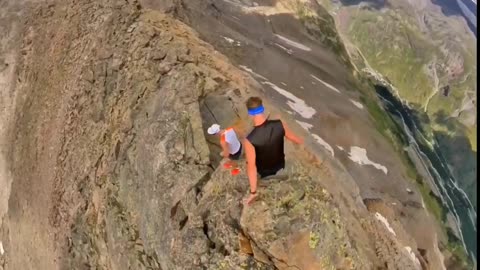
{"x":111,"y":168}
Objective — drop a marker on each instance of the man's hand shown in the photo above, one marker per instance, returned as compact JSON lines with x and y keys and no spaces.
{"x":250,"y":199}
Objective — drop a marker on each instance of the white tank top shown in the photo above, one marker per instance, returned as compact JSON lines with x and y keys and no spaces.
{"x":232,"y":140}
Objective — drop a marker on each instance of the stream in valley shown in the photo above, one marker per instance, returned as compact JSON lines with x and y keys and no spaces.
{"x":453,"y":197}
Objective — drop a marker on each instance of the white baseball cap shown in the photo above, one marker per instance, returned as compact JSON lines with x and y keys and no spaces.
{"x":214,"y":129}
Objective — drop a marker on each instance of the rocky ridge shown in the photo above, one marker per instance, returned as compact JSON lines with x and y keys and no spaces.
{"x":112,"y":169}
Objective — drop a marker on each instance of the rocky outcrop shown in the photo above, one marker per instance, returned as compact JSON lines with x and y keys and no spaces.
{"x":112,"y":169}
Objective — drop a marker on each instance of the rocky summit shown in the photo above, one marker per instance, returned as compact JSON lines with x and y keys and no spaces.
{"x":105,"y":162}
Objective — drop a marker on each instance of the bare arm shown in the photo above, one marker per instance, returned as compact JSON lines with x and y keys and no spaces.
{"x":290,"y":135}
{"x":251,"y":167}
{"x":224,"y":145}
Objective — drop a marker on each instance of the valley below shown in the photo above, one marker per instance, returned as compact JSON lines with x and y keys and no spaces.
{"x":105,"y":162}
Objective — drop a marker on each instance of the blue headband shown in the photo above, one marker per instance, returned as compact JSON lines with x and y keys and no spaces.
{"x":256,"y":111}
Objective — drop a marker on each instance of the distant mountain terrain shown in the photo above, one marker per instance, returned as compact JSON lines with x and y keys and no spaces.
{"x":465,"y":8}
{"x":469,"y":10}
{"x":427,"y":51}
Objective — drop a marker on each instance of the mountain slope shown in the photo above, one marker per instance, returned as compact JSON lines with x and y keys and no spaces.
{"x":111,"y":168}
{"x":428,"y":54}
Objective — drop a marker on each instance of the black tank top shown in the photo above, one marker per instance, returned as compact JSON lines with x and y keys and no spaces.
{"x":268,"y":139}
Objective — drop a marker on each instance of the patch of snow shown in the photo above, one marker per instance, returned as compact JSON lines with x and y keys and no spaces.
{"x":301,"y":87}
{"x":324,"y":144}
{"x":283,"y":48}
{"x":359,"y":155}
{"x":232,"y":41}
{"x":249,"y":70}
{"x":293,"y":43}
{"x":382,"y":219}
{"x":409,"y":190}
{"x":413,"y":257}
{"x":284,"y":84}
{"x":340,"y":148}
{"x":2,"y":251}
{"x":357,"y":104}
{"x":295,"y":103}
{"x":289,"y":112}
{"x":326,"y":84}
{"x":304,"y":125}
{"x":229,"y":40}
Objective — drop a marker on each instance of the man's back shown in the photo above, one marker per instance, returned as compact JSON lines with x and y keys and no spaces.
{"x":268,"y":141}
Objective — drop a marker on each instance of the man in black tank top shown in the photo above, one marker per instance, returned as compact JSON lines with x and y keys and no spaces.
{"x":264,"y":146}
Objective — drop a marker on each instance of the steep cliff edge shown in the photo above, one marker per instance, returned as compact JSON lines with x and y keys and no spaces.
{"x":111,"y":168}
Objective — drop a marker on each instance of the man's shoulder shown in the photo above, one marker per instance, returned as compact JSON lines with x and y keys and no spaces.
{"x":275,"y":122}
{"x":275,"y":117}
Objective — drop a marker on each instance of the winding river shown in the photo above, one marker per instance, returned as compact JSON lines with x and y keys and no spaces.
{"x":453,"y":197}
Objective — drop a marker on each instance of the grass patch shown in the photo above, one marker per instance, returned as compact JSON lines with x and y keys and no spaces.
{"x":390,"y":129}
{"x":313,"y":240}
{"x":455,"y":246}
{"x":393,"y":47}
{"x":393,"y":44}
{"x":431,"y":201}
{"x":472,"y":137}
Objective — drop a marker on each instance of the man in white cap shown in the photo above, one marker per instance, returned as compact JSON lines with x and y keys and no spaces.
{"x":231,"y":146}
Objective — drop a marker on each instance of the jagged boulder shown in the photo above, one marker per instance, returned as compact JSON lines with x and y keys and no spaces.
{"x":297,"y":225}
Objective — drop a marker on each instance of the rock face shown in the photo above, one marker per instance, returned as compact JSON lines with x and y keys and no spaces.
{"x":112,"y":169}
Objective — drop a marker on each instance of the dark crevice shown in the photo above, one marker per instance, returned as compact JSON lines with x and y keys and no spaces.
{"x":200,"y":184}
{"x":177,"y":213}
{"x":211,"y":167}
{"x":173,"y":211}
{"x":117,"y":150}
{"x":223,"y":250}
{"x":210,"y":111}
{"x":197,"y":192}
{"x":183,"y":222}
{"x":235,"y":224}
{"x":211,"y":244}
